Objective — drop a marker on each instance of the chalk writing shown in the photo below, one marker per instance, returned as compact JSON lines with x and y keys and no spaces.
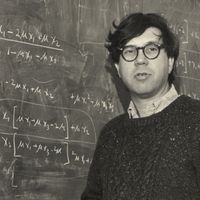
{"x":185,"y":30}
{"x":81,"y":158}
{"x":5,"y":116}
{"x":30,"y":146}
{"x":37,"y":122}
{"x":34,"y":147}
{"x":37,"y":148}
{"x":64,"y":127}
{"x":188,"y":63}
{"x":31,"y":90}
{"x":34,"y":122}
{"x":100,"y":105}
{"x":20,"y":36}
{"x":77,"y":129}
{"x":6,"y":142}
{"x":30,"y":58}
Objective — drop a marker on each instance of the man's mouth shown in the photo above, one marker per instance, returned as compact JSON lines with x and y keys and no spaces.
{"x":142,"y":75}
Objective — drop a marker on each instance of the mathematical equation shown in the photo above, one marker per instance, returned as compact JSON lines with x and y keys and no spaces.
{"x":65,"y":143}
{"x":51,"y":53}
{"x":23,"y":87}
{"x":100,"y":104}
{"x":21,"y":36}
{"x":49,"y":151}
{"x":29,"y":57}
{"x":64,"y":127}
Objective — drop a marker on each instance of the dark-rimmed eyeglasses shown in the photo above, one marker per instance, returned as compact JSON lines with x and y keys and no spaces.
{"x":151,"y":51}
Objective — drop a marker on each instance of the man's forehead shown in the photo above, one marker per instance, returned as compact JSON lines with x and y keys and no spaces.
{"x":151,"y":34}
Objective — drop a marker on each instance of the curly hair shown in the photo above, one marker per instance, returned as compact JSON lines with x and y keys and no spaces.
{"x":134,"y":25}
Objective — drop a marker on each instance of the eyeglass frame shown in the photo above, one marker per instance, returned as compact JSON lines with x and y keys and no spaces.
{"x":159,"y":46}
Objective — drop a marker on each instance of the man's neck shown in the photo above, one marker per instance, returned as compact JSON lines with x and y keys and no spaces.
{"x":142,"y":102}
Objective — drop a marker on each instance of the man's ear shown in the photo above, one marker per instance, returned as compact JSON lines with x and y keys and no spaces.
{"x":171,"y":64}
{"x":117,"y":68}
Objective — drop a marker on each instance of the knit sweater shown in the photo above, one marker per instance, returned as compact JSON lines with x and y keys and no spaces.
{"x":150,"y":158}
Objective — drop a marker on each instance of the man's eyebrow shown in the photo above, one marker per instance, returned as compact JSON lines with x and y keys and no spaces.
{"x":153,"y":42}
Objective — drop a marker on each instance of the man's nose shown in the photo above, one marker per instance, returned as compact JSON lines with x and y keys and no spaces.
{"x":141,"y":58}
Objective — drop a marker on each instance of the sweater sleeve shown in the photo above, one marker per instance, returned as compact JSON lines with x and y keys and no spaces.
{"x":93,"y":189}
{"x":196,"y":153}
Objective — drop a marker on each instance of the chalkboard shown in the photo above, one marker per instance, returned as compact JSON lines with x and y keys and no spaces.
{"x":56,"y":93}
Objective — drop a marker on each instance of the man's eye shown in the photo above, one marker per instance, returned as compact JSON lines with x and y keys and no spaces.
{"x":128,"y":51}
{"x":152,"y":48}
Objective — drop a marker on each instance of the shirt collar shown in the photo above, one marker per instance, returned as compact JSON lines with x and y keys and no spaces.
{"x":155,"y":106}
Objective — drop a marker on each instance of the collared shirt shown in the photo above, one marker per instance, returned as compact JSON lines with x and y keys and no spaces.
{"x":155,"y":106}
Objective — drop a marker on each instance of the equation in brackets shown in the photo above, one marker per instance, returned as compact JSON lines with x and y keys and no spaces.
{"x":35,"y":147}
{"x":49,"y":121}
{"x":188,"y":63}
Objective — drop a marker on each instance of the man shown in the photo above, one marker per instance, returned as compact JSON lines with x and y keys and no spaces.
{"x":152,"y":152}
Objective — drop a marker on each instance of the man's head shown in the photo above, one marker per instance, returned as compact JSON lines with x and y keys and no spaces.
{"x":144,"y":51}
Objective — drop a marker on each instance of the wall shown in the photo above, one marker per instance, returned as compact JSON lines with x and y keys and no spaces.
{"x":55,"y":92}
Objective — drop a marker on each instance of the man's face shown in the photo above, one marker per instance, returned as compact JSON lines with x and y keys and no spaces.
{"x":146,"y":78}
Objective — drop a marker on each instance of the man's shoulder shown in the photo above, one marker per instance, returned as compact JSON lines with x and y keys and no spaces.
{"x":191,"y":107}
{"x":110,"y":131}
{"x":191,"y":103}
{"x":115,"y":124}
{"x":117,"y":121}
